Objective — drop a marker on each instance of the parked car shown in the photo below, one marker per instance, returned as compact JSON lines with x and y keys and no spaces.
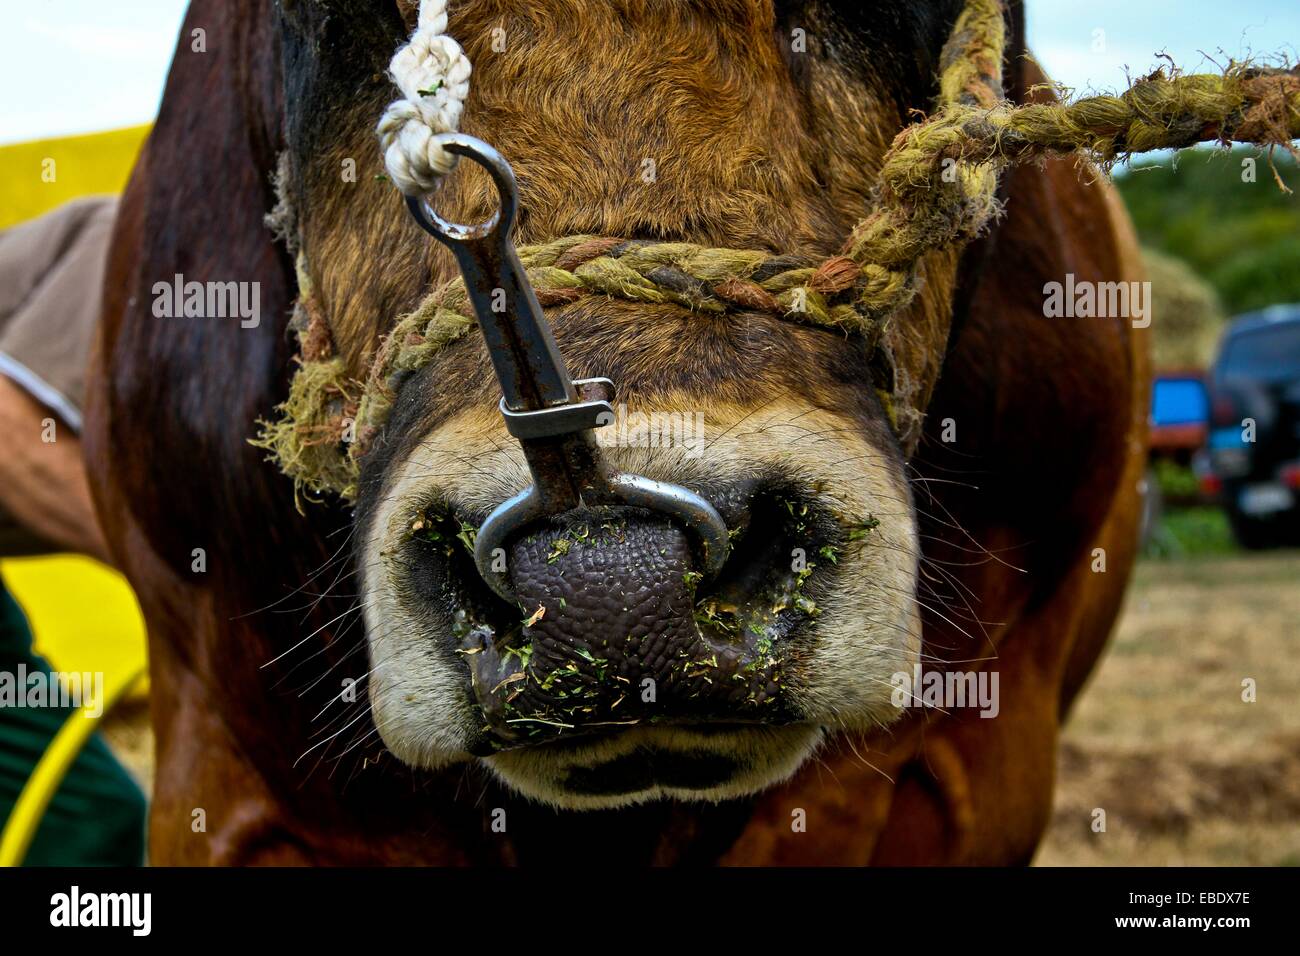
{"x":1253,"y":460}
{"x":1180,"y":414}
{"x":1180,"y":424}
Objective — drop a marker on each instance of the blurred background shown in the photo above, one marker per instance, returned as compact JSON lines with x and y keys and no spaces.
{"x":1187,"y":771}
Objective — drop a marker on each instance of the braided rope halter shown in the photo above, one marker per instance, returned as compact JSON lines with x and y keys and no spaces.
{"x":936,"y":189}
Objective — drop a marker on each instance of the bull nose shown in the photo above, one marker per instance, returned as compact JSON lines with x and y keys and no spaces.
{"x":616,"y":625}
{"x":610,"y":599}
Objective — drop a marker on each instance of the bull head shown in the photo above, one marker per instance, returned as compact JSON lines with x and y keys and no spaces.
{"x":624,"y":672}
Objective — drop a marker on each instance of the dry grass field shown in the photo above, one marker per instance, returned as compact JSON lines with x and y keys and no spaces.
{"x":1187,"y":772}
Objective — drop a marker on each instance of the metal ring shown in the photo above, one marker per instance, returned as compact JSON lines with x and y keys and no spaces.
{"x":684,"y":505}
{"x":692,"y":510}
{"x":503,"y":177}
{"x":511,"y":514}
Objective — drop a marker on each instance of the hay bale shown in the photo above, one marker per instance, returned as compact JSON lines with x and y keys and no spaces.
{"x":1187,"y":316}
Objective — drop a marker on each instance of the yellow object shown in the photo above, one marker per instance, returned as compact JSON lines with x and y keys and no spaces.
{"x":44,"y":782}
{"x":36,"y":177}
{"x":83,"y":615}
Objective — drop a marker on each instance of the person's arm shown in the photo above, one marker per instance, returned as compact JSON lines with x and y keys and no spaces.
{"x":43,"y":483}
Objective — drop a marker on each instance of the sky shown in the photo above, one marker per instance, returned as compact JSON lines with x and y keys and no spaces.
{"x":76,"y":66}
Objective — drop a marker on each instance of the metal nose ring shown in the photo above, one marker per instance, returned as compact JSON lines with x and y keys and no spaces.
{"x":552,"y":416}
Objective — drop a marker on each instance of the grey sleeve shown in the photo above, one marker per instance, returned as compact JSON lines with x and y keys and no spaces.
{"x":51,"y":274}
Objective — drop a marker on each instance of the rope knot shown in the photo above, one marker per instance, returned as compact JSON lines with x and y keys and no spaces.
{"x":432,"y":72}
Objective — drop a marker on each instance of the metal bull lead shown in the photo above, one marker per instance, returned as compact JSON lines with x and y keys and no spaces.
{"x":550,"y":414}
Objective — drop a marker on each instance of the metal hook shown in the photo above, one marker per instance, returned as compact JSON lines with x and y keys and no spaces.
{"x":550,"y":414}
{"x":503,"y":177}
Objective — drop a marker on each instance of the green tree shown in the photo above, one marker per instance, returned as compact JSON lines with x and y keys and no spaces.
{"x":1239,"y":232}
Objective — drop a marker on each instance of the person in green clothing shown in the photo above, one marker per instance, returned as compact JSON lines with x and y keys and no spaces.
{"x":97,"y":817}
{"x":51,"y":270}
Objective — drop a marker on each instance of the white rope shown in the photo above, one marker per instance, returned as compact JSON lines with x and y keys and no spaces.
{"x":432,"y":71}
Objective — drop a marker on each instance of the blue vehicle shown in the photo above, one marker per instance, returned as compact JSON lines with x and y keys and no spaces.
{"x":1180,"y":415}
{"x":1254,"y":440}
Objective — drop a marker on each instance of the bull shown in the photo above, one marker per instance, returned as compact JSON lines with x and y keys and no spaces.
{"x":328,"y":680}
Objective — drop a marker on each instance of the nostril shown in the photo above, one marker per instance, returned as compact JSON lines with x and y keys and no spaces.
{"x":608,"y":608}
{"x":604,"y":581}
{"x":778,"y":532}
{"x":783,"y":537}
{"x":438,"y":563}
{"x":605,"y":490}
{"x":610,"y":551}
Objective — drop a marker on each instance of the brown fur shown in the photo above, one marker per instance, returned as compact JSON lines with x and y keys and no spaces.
{"x":741,"y":155}
{"x":750,"y":150}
